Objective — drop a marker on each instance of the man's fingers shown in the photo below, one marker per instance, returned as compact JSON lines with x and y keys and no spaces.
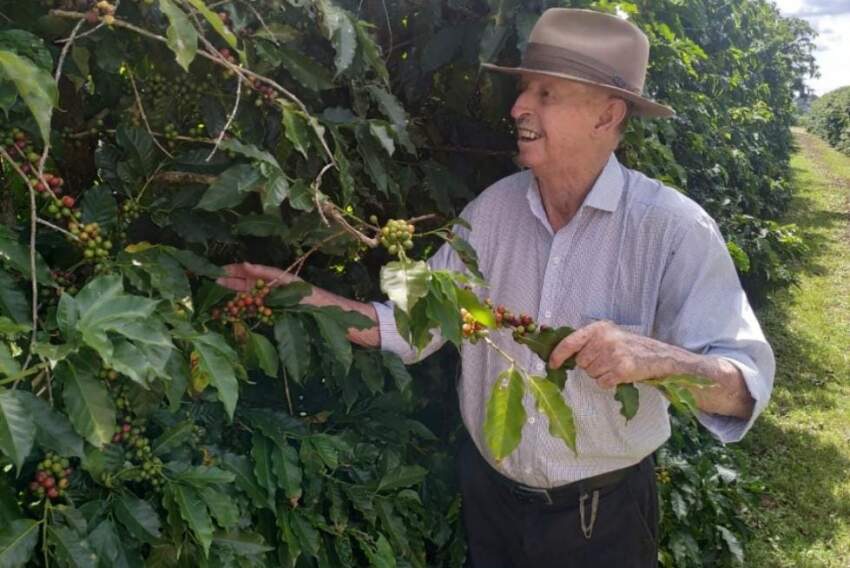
{"x":569,"y":346}
{"x":234,"y":283}
{"x":608,"y":380}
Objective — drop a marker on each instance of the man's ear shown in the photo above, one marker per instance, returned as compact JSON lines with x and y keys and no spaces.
{"x":613,"y":112}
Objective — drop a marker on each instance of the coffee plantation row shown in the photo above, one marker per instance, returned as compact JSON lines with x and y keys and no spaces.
{"x":150,"y":417}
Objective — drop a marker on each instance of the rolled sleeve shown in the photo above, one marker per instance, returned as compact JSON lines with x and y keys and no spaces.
{"x":704,"y":309}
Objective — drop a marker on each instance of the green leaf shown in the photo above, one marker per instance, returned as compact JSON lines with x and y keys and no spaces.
{"x":250,"y":151}
{"x":229,"y":189}
{"x":52,"y":428}
{"x":402,"y":476}
{"x":194,"y":512}
{"x":543,"y":343}
{"x":470,"y":302}
{"x":27,"y":45}
{"x":216,"y":23}
{"x":8,"y":364}
{"x":173,"y":437}
{"x":98,"y":205}
{"x":240,"y":466}
{"x":35,"y":86}
{"x":628,"y":396}
{"x":242,"y":543}
{"x":181,"y":34}
{"x":308,"y":537}
{"x":505,"y":415}
{"x":304,"y":69}
{"x":296,"y":129}
{"x":68,"y":547}
{"x":551,"y":402}
{"x":13,"y":302}
{"x":199,"y":476}
{"x":261,"y":226}
{"x":398,"y":370}
{"x":467,"y":255}
{"x":338,"y":28}
{"x":371,"y":51}
{"x":393,"y":110}
{"x":108,"y":546}
{"x":265,"y":354}
{"x":293,"y":345}
{"x":442,"y":307}
{"x":302,"y":195}
{"x":221,"y":505}
{"x":335,"y":336}
{"x":216,"y":362}
{"x":405,"y":282}
{"x":442,"y":46}
{"x":67,"y":316}
{"x":87,"y":401}
{"x":138,"y":517}
{"x":261,"y":449}
{"x":17,"y":542}
{"x":287,"y":469}
{"x":274,"y":191}
{"x":288,"y":295}
{"x":17,"y":431}
{"x":383,"y":136}
{"x":17,"y":256}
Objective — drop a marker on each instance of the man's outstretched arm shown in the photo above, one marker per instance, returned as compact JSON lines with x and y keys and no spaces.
{"x":241,"y":277}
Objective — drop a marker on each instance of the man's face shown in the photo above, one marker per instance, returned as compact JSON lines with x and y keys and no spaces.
{"x":555,"y":119}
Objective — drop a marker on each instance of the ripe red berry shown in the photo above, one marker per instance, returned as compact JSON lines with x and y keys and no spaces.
{"x":53,"y":493}
{"x":41,"y":476}
{"x":68,"y":201}
{"x":49,"y":482}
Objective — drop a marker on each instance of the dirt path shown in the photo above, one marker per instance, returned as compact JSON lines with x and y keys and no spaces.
{"x":800,"y":448}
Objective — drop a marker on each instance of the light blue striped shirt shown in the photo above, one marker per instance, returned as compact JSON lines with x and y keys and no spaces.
{"x":637,"y":253}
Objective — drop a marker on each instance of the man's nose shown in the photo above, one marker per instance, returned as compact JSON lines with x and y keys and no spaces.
{"x":520,"y":107}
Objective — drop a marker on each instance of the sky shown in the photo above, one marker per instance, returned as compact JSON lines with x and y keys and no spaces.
{"x":831,"y":19}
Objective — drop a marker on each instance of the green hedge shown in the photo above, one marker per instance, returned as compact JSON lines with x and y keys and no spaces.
{"x":829,"y":118}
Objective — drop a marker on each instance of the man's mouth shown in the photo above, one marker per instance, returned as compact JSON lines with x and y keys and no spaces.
{"x":527,"y":135}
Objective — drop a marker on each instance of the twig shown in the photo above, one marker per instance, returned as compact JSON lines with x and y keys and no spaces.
{"x":177,"y":178}
{"x":262,"y":23}
{"x":144,"y":116}
{"x":334,"y":213}
{"x":288,"y":396}
{"x":389,"y":31}
{"x":230,"y":118}
{"x":500,"y":351}
{"x":46,"y":223}
{"x":299,"y":262}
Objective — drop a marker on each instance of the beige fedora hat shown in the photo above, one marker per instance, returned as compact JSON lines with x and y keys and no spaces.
{"x":593,"y":48}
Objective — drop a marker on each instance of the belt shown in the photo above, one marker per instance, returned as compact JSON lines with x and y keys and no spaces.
{"x":571,"y":492}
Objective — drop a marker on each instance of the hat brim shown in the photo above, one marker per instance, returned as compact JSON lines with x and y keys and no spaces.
{"x":643,"y":107}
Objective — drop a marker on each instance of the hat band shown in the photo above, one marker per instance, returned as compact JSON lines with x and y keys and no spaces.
{"x":561,"y":60}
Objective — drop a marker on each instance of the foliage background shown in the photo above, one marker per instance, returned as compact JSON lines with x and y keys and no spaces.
{"x":829,"y":118}
{"x":334,"y":456}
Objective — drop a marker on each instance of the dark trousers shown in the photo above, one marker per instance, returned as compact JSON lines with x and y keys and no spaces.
{"x":506,"y":532}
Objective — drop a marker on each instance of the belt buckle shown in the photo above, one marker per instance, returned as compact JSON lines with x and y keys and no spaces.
{"x":531,"y":494}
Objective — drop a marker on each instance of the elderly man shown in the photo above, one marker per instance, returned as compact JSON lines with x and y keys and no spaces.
{"x":641,"y":270}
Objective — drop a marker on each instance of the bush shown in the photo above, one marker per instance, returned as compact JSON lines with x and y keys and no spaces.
{"x":142,"y":417}
{"x":829,"y":118}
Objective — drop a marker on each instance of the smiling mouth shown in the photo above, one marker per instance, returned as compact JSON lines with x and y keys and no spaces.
{"x":527,"y":135}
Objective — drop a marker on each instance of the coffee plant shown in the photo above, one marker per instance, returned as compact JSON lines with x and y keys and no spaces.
{"x":829,"y":118}
{"x":150,"y":417}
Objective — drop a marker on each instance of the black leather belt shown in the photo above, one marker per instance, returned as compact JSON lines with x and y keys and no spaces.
{"x":570,"y":492}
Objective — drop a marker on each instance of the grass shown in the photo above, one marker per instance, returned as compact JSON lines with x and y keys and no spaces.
{"x":800,"y":447}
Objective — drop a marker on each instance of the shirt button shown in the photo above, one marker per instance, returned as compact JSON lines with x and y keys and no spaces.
{"x":548,"y":314}
{"x":532,"y":420}
{"x":527,"y":469}
{"x":556,"y":260}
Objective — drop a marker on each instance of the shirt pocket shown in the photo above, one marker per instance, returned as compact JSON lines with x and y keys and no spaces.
{"x":588,"y":398}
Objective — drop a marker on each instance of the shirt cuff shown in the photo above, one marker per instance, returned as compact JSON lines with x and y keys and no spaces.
{"x":730,"y":429}
{"x":391,"y":340}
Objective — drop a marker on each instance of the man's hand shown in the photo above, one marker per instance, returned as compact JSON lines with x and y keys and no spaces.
{"x":241,"y":277}
{"x":612,"y":355}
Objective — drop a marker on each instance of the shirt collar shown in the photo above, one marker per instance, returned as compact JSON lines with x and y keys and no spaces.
{"x":604,"y":195}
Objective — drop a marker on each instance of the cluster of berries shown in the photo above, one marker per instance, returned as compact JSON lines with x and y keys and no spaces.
{"x":119,"y":397}
{"x":472,"y":330}
{"x":397,"y":235}
{"x":104,"y":11}
{"x":94,"y":245}
{"x":131,"y":433}
{"x":19,"y":147}
{"x":128,"y":212}
{"x":229,"y":57}
{"x":265,"y":93}
{"x":65,"y":282}
{"x":662,"y":475}
{"x":247,"y":305}
{"x":52,"y":477}
{"x":107,"y":374}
